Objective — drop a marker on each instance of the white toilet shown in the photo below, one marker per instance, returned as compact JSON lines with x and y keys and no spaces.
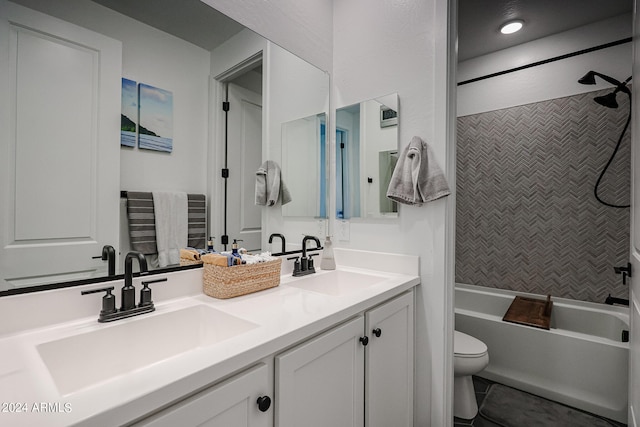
{"x":470,"y":357}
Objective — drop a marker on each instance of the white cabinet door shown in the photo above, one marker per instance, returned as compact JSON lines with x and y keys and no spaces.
{"x":233,"y":403}
{"x":389,"y":364}
{"x":60,"y":88}
{"x":320,"y":383}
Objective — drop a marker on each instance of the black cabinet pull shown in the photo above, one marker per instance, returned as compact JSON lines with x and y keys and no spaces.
{"x":377,"y":332}
{"x":264,"y":403}
{"x":364,"y":340}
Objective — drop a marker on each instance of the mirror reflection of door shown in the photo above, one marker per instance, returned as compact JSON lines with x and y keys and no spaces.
{"x":244,"y":156}
{"x":53,"y":212}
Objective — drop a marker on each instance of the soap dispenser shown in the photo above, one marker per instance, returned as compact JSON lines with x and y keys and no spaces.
{"x":234,"y":247}
{"x":235,"y":253}
{"x":328,"y":262}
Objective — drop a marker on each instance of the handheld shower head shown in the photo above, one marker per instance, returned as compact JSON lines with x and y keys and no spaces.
{"x":608,"y":101}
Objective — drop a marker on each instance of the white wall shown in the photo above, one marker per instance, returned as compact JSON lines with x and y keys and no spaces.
{"x":402,"y":47}
{"x":303,"y":27}
{"x":554,"y":80}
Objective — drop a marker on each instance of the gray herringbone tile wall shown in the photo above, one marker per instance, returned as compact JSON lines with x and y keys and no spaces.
{"x":527,"y":219}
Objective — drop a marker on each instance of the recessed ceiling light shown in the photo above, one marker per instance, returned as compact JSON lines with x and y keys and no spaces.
{"x":511,"y":27}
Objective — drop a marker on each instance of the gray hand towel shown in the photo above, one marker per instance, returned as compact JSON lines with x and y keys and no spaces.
{"x":171,"y":212}
{"x":142,"y":222}
{"x":417,"y":177}
{"x":270,"y":188}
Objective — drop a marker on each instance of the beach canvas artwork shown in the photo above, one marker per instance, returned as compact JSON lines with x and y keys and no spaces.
{"x":129,"y":113}
{"x":155,"y":130}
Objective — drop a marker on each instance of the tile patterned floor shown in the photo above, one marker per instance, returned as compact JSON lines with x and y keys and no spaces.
{"x":482,"y":386}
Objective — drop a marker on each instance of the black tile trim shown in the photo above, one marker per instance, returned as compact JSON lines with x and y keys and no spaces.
{"x":546,"y":61}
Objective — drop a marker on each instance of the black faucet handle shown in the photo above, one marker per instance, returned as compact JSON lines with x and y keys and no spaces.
{"x":148,"y":282}
{"x":145,"y":292}
{"x":108,"y":300}
{"x":310,"y":265}
{"x":95,"y":291}
{"x":296,"y":264}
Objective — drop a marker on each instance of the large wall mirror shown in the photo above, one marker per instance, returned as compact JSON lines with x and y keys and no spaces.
{"x":60,"y":203}
{"x":366,"y":155}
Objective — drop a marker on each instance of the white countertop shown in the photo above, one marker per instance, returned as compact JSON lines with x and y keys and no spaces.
{"x":284,"y":315}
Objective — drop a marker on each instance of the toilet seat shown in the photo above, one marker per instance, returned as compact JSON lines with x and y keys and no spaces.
{"x":466,"y":346}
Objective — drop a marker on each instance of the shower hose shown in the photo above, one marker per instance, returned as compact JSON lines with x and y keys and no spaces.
{"x":604,"y":170}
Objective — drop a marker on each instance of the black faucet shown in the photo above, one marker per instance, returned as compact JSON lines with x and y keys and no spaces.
{"x":109,"y":255}
{"x":613,"y":300}
{"x":284,"y":245}
{"x":305,"y":265}
{"x":304,"y":244}
{"x":128,"y":291}
{"x":128,"y":298}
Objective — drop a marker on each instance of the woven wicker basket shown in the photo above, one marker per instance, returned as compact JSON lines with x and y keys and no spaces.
{"x":184,"y":261}
{"x":228,"y":282}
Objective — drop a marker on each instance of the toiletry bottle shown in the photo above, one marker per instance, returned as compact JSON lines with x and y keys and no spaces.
{"x":328,"y":262}
{"x":235,"y":253}
{"x":210,"y":244}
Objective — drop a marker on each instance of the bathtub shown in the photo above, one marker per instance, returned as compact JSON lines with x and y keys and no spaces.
{"x":581,"y":361}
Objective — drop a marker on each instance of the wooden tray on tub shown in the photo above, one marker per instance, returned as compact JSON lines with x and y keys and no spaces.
{"x":530,"y":312}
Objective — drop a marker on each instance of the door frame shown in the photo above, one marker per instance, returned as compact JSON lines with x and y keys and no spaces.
{"x":216,"y":184}
{"x":447,"y":72}
{"x":633,"y":402}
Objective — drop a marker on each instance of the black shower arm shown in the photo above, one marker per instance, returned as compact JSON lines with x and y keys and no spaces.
{"x":609,"y":79}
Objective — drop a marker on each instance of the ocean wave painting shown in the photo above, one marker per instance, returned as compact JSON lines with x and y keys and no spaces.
{"x":155,"y":143}
{"x":155,"y":129}
{"x":128,"y":139}
{"x":129,"y":113}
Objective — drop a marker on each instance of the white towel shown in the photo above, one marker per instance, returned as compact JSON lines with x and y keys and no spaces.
{"x":417,"y":177}
{"x":171,"y":225}
{"x":270,"y":188}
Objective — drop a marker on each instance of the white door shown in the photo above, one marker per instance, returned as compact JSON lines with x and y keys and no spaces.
{"x":634,"y":283}
{"x":233,"y":403}
{"x":321,"y":383}
{"x":389,"y":364}
{"x":244,"y":156}
{"x":59,"y":147}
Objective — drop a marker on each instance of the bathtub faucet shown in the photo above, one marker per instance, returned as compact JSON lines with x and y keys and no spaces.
{"x":625,"y":270}
{"x":613,"y":300}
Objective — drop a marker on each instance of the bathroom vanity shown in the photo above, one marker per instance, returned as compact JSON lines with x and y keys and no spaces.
{"x":332,"y":348}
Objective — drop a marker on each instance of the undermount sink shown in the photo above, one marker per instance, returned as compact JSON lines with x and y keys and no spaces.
{"x":86,"y":359}
{"x":336,"y":282}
